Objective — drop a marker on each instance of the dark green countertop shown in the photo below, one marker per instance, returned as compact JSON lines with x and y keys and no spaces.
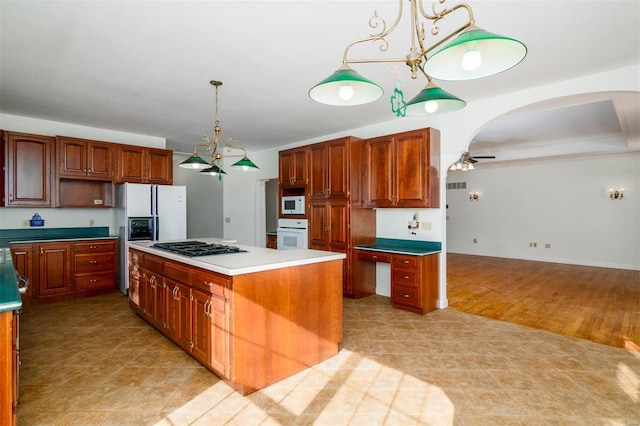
{"x":37,"y":234}
{"x":411,"y":247}
{"x":9,"y":296}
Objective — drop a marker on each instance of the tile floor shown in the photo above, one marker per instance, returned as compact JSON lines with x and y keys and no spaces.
{"x":93,"y":362}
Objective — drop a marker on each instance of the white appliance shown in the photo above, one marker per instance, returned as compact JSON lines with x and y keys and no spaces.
{"x":161,"y":208}
{"x":293,"y":234}
{"x":293,"y":204}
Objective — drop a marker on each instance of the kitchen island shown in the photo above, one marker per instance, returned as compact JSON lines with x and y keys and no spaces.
{"x":253,"y":318}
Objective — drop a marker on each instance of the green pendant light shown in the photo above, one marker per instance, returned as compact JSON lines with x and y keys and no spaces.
{"x":194,"y":162}
{"x":474,"y":54}
{"x":433,"y":100}
{"x":345,"y":87}
{"x":245,"y":164}
{"x":214,"y":171}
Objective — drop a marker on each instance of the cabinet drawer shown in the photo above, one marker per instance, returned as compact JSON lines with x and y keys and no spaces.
{"x":210,"y":282}
{"x":405,"y":295}
{"x":401,"y":261}
{"x":176,"y":271}
{"x":404,"y":277}
{"x":373,"y":256}
{"x":94,"y":246}
{"x":101,"y":281}
{"x":95,"y":262}
{"x":153,"y":263}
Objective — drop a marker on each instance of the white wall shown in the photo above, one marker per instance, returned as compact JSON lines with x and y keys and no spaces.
{"x":564,"y":203}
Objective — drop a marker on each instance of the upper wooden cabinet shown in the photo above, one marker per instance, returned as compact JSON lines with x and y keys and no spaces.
{"x":402,"y":170}
{"x":293,"y":167}
{"x":144,"y":165}
{"x":329,"y":169}
{"x":28,"y":164}
{"x":85,"y":159}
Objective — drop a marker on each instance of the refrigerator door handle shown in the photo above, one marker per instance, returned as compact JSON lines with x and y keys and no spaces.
{"x":156,"y":229}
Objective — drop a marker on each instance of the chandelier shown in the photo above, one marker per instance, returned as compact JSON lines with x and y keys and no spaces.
{"x":474,"y":53}
{"x":213,"y":147}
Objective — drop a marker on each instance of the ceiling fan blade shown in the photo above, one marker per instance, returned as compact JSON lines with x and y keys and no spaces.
{"x":472,"y":160}
{"x":484,"y":156}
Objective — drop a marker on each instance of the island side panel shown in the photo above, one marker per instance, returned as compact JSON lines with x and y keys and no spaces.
{"x":284,"y":321}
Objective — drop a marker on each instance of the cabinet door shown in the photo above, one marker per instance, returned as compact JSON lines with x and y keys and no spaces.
{"x":201,"y":327}
{"x":411,"y":185}
{"x":338,"y":214}
{"x":54,"y":269}
{"x":159,"y":166}
{"x":318,"y":188}
{"x":131,"y":164}
{"x":153,"y":300}
{"x":285,"y":164}
{"x":318,"y":225}
{"x":178,"y":313}
{"x":136,"y":298}
{"x":300,"y":167}
{"x":380,"y":172}
{"x":220,"y":336}
{"x":72,"y":157}
{"x":22,"y":256}
{"x":100,"y":160}
{"x":338,"y":168}
{"x":28,"y":170}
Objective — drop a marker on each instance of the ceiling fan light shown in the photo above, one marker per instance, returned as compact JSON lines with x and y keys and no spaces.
{"x":497,"y":54}
{"x":245,"y":164}
{"x":345,"y":87}
{"x":433,"y":100}
{"x":194,"y":162}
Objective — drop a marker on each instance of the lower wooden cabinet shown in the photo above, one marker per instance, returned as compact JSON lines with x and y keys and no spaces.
{"x":65,"y":269}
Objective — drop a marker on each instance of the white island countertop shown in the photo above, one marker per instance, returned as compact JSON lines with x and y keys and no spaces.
{"x":255,"y":259}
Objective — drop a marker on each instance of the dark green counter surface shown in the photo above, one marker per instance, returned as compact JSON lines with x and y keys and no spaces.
{"x":9,"y":296}
{"x":37,"y":234}
{"x":411,"y":247}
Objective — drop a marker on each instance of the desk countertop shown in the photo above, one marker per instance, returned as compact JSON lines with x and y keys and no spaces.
{"x":409,"y":247}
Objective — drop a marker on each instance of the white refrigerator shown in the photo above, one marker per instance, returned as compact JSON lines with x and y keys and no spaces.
{"x":165,"y":207}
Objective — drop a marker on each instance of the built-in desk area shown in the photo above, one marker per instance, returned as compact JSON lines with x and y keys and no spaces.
{"x":414,"y":271}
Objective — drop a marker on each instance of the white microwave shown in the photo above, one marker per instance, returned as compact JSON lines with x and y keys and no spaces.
{"x":293,"y":204}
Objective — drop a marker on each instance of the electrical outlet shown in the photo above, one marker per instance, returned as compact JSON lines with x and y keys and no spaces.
{"x":92,"y":222}
{"x":227,"y":220}
{"x":547,"y":245}
{"x":25,"y":223}
{"x":475,"y":241}
{"x":426,"y":225}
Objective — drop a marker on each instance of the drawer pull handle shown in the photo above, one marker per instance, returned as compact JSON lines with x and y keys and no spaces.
{"x":93,"y":262}
{"x":405,"y":295}
{"x":406,"y":277}
{"x":405,"y":261}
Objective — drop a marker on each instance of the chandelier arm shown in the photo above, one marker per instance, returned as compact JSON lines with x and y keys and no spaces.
{"x":375,"y":37}
{"x":435,"y":29}
{"x":439,"y":15}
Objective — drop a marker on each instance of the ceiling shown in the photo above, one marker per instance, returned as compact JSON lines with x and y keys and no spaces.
{"x":144,"y":67}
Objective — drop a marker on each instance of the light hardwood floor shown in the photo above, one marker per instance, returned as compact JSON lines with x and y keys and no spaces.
{"x":597,"y":304}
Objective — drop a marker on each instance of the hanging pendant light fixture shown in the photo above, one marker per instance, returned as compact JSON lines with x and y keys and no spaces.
{"x":474,"y":53}
{"x":214,"y":144}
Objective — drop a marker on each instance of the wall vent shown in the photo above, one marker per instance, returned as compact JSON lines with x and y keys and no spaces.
{"x":456,"y":185}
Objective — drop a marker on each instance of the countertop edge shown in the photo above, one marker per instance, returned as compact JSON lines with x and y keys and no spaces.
{"x":53,"y":240}
{"x":398,"y":251}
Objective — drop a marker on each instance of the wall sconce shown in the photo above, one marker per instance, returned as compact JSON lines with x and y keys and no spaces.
{"x":474,"y":196}
{"x":616,"y":194}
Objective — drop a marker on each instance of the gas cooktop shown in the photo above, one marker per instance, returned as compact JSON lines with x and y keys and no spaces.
{"x":197,"y":248}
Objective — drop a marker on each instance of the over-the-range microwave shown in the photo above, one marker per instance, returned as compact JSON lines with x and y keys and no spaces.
{"x":293,"y":204}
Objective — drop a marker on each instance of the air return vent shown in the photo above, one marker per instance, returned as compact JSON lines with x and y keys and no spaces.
{"x":456,"y":185}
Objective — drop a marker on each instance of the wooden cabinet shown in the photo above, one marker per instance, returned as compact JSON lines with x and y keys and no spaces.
{"x":402,"y":170}
{"x":178,"y":304}
{"x":28,"y":163}
{"x":414,"y":279}
{"x":22,"y":256}
{"x":9,"y":367}
{"x":96,"y":266}
{"x":272,"y":241}
{"x":144,"y":165}
{"x":85,"y":159}
{"x":153,"y":291}
{"x":293,"y":167}
{"x":329,"y":222}
{"x":329,"y":169}
{"x":54,"y":269}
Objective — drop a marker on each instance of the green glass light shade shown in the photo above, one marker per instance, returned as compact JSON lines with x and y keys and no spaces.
{"x":493,"y":53}
{"x":213,"y":171}
{"x":345,"y":87}
{"x":245,"y":164}
{"x":194,"y":162}
{"x":433,"y":100}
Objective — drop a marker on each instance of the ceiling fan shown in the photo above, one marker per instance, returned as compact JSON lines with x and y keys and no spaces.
{"x":466,"y":161}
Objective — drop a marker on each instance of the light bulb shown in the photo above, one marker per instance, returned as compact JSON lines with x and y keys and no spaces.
{"x":431,"y":106}
{"x":245,"y":168}
{"x":195,"y":165}
{"x":471,"y":60}
{"x":459,"y":166}
{"x":345,"y":92}
{"x":470,"y":166}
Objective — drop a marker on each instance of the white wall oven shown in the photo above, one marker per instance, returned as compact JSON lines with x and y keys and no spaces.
{"x":293,"y":234}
